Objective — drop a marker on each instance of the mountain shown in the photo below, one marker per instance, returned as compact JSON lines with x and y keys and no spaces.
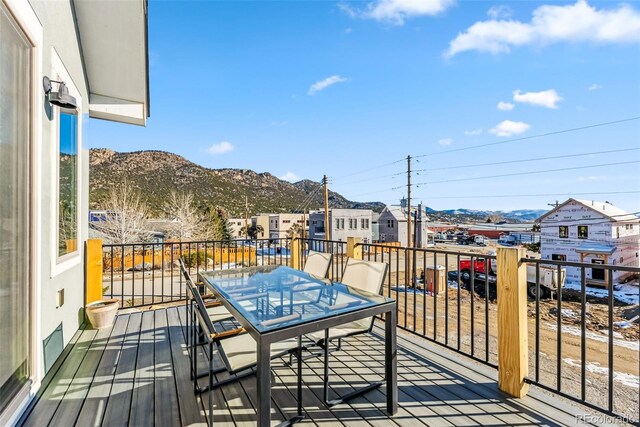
{"x":521,"y":215}
{"x":157,"y":173}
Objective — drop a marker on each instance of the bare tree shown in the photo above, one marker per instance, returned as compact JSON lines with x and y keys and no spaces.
{"x":188,"y":222}
{"x":126,"y":217}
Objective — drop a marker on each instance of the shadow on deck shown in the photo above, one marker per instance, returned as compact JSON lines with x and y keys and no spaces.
{"x":137,"y":373}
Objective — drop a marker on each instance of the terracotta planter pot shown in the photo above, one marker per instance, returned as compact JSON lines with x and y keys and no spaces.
{"x":102,"y":313}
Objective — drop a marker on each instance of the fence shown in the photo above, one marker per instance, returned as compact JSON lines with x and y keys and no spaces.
{"x":148,"y":273}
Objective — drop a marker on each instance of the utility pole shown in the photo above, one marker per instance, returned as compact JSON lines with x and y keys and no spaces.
{"x":409,"y":235}
{"x":554,"y":205}
{"x":327,"y":226}
{"x":246,"y":217}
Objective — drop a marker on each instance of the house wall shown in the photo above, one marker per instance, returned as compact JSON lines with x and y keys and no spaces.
{"x":341,"y":234}
{"x":279,"y":224}
{"x":60,"y":43}
{"x":601,"y":230}
{"x":50,"y":26}
{"x":235,"y":226}
{"x":397,"y":233}
{"x":263,"y":221}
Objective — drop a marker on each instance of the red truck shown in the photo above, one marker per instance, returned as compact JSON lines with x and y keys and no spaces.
{"x":548,"y":278}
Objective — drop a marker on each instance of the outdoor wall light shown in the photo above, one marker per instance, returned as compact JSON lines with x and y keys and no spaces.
{"x":61,"y":98}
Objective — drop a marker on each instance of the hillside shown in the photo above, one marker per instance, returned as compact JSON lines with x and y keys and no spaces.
{"x":156,"y":173}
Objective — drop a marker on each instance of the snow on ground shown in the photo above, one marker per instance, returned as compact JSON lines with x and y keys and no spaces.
{"x":628,"y":293}
{"x":574,"y":330}
{"x":624,"y":378}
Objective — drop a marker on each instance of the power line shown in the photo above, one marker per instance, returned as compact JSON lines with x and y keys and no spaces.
{"x":491,"y":196}
{"x":525,"y":160}
{"x":541,"y":135}
{"x":531,"y":172}
{"x":371,"y":168}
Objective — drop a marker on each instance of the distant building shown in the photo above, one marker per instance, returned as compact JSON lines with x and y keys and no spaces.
{"x":261,"y":220}
{"x":392,"y":226}
{"x":592,"y":232}
{"x":279,"y":224}
{"x":235,"y":227}
{"x":343,"y":223}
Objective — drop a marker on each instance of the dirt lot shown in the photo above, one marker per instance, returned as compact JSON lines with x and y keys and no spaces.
{"x":470,"y":337}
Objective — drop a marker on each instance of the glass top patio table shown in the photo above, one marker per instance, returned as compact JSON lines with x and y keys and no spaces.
{"x":274,"y":297}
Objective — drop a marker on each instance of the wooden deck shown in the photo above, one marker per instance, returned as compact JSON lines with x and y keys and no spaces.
{"x":137,"y":373}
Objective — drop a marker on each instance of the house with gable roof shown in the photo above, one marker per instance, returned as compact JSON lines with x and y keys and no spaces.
{"x":591,"y":232}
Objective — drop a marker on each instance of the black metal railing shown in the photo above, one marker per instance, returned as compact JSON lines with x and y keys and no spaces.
{"x":439,"y":300}
{"x":592,"y":329}
{"x":141,"y":274}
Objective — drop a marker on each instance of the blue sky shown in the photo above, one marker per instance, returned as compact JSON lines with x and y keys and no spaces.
{"x":305,"y":88}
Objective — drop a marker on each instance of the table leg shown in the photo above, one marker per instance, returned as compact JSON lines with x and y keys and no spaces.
{"x":391,"y":361}
{"x":264,"y":384}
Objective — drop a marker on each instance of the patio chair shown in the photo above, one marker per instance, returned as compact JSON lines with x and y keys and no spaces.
{"x":237,"y":349}
{"x":215,"y":311}
{"x":318,"y":263}
{"x":359,"y":275}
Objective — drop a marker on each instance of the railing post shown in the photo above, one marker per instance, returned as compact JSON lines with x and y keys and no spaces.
{"x":354,"y":247}
{"x":295,"y":252}
{"x":93,"y":270}
{"x":513,"y":343}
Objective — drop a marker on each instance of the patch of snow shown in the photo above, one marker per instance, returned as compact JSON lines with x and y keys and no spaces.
{"x":628,"y":293}
{"x":574,"y":330}
{"x":626,"y":323}
{"x":615,"y":334}
{"x":566,"y":312}
{"x":621,"y":377}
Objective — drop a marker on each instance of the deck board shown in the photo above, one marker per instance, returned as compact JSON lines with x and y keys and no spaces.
{"x":138,"y":373}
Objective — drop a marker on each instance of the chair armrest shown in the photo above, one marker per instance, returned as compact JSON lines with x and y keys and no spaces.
{"x":217,"y":336}
{"x":209,"y":304}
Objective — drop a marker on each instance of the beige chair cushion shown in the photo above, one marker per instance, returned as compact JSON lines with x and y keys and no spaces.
{"x":240,"y":351}
{"x":218,"y":313}
{"x":317,"y":263}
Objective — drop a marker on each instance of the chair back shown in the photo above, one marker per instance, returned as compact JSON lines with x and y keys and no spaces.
{"x":187,"y":277}
{"x":201,"y":310}
{"x":318,"y":263}
{"x":365,"y":275}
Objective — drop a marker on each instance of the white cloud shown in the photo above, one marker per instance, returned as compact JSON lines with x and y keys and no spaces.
{"x":396,"y":11}
{"x":474,"y":132}
{"x":509,"y":128}
{"x":290,"y":176}
{"x":505,"y":106}
{"x":220,"y":148}
{"x":445,"y":141}
{"x":594,"y":86}
{"x":546,"y":98}
{"x":550,"y":24}
{"x":323,"y":84}
{"x":591,"y":178}
{"x":500,"y":12}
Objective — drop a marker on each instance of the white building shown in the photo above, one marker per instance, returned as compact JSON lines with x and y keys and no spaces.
{"x":99,"y":51}
{"x":236,"y":225}
{"x":279,"y":224}
{"x":591,"y":232}
{"x":392,"y":226}
{"x":344,"y":223}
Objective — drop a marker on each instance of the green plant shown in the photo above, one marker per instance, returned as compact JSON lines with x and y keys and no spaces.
{"x":194,"y":259}
{"x":533,"y":247}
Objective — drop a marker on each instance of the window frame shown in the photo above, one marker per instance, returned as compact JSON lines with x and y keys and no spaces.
{"x":564,"y":235}
{"x":60,"y":264}
{"x":579,"y":234}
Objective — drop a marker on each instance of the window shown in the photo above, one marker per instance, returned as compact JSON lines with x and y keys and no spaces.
{"x":337,"y":224}
{"x":564,"y":231}
{"x":342,"y":223}
{"x":390,"y":223}
{"x":583,"y":232}
{"x":286,"y":221}
{"x":15,"y":209}
{"x":558,"y":257}
{"x":68,"y":183}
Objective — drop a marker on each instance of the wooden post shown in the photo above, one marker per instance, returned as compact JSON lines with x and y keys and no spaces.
{"x":94,"y":270}
{"x":354,"y":247}
{"x":296,"y":251}
{"x":513,"y":343}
